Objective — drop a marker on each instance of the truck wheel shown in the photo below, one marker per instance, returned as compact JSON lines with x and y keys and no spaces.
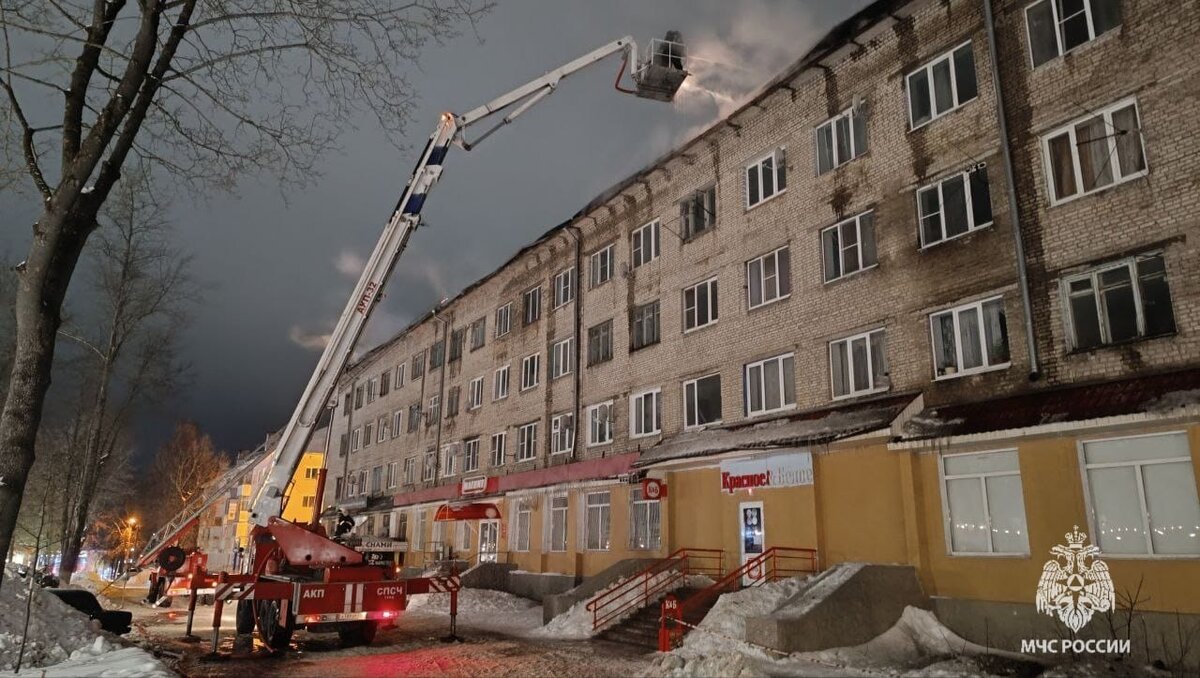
{"x":362,"y":633}
{"x":245,"y":616}
{"x":273,"y":634}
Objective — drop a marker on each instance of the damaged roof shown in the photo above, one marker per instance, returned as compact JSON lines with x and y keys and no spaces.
{"x":815,"y":427}
{"x":1161,"y":394}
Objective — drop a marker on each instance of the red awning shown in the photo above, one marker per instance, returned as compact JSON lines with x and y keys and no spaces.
{"x":474,"y":511}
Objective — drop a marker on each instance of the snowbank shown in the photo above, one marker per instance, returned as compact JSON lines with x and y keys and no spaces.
{"x":485,"y":609}
{"x":62,"y":637}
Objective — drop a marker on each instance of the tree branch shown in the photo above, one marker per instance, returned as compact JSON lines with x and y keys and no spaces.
{"x":27,"y":131}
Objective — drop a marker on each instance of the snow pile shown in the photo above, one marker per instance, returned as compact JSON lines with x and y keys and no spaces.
{"x":1175,"y":400}
{"x":576,"y":623}
{"x":818,"y":589}
{"x":484,"y":609}
{"x":62,"y":641}
{"x":917,"y":637}
{"x":727,"y":619}
{"x":106,"y":659}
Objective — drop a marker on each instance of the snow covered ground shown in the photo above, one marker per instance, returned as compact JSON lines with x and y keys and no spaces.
{"x":60,"y":641}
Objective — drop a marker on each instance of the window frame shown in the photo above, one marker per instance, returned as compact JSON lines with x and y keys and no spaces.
{"x":527,"y":442}
{"x":470,"y":454}
{"x":784,"y":406}
{"x":1096,"y":292}
{"x":969,"y":206}
{"x":429,"y":472}
{"x":503,"y":320}
{"x":501,"y":449}
{"x":696,"y":398}
{"x":564,"y":287}
{"x":562,"y":362}
{"x":552,"y":512}
{"x":531,"y":305}
{"x":497,"y":381}
{"x":535,"y":372}
{"x":475,"y":394}
{"x":609,"y":253}
{"x":398,"y":377}
{"x":655,"y":397}
{"x":637,"y":243}
{"x":947,"y":518}
{"x":1112,"y":158}
{"x":927,"y":69}
{"x":1089,"y":508}
{"x":713,"y":310}
{"x":557,"y":433}
{"x":1058,"y":42}
{"x":449,"y":455}
{"x":775,"y":155}
{"x":609,"y":426}
{"x":604,"y":522}
{"x":687,"y":212}
{"x":855,"y":153}
{"x":478,"y":333}
{"x":848,"y":341}
{"x":603,"y":329}
{"x":779,"y":295}
{"x":640,"y":504}
{"x":410,"y":470}
{"x":857,"y":219}
{"x":954,"y":311}
{"x":638,"y":317}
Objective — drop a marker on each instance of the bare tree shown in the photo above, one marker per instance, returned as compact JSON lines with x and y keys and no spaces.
{"x":205,"y":90}
{"x":181,"y":469}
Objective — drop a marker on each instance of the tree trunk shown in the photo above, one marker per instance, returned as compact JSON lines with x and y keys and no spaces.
{"x":58,"y":240}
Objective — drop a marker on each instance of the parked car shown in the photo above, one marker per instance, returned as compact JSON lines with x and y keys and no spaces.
{"x":113,"y":621}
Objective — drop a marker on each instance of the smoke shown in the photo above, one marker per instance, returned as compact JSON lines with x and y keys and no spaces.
{"x":311,"y":341}
{"x":729,"y":64}
{"x":349,"y":264}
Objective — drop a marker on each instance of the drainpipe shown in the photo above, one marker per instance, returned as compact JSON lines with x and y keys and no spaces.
{"x":437,"y":444}
{"x":1010,"y":179}
{"x":578,"y":366}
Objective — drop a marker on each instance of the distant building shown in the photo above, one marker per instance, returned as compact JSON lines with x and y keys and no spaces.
{"x":843,"y":319}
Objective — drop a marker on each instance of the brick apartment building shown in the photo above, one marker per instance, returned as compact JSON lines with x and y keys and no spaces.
{"x":943,"y":287}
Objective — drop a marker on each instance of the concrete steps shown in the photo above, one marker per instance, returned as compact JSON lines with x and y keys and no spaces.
{"x":641,"y":629}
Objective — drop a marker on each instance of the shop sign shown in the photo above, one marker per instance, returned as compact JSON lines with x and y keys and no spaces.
{"x":478,"y":485}
{"x":385,"y":545}
{"x":778,"y":470}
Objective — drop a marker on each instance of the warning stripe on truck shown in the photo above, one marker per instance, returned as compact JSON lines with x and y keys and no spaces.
{"x":235,"y":592}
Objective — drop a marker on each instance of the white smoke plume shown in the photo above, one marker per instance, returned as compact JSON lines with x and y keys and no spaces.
{"x":349,"y":264}
{"x":729,"y":64}
{"x":312,"y":341}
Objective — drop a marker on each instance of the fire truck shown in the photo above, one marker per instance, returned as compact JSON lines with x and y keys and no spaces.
{"x":295,"y":575}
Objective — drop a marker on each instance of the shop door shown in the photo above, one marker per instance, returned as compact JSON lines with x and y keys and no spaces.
{"x":489,"y":540}
{"x":752,"y":538}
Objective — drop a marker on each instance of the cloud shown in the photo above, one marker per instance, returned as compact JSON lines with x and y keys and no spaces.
{"x":312,"y":341}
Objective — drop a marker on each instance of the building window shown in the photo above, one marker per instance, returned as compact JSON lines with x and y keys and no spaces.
{"x":522,"y":518}
{"x":1059,"y":26}
{"x":457,"y":339}
{"x":1142,"y":495}
{"x":564,"y":287}
{"x":377,"y":480}
{"x":597,"y":521}
{"x":385,"y":383}
{"x":530,"y":367}
{"x":645,"y":413}
{"x":766,"y":177}
{"x":562,"y":357}
{"x":381,"y":429}
{"x":527,"y":442}
{"x":698,"y":212}
{"x":768,"y":278}
{"x":397,"y":423}
{"x":368,"y":434}
{"x":358,"y":396}
{"x":970,"y":338}
{"x":700,"y":305}
{"x":475,"y":394}
{"x":372,"y":390}
{"x":983,"y":503}
{"x":643,"y":325}
{"x":562,"y":433}
{"x":471,"y":455}
{"x":307,"y":501}
{"x":434,"y":413}
{"x":498,"y":451}
{"x":349,"y":403}
{"x":478,"y":333}
{"x":414,"y":417}
{"x":504,"y":320}
{"x":558,"y":523}
{"x":418,"y":365}
{"x":1095,"y":152}
{"x":429,"y":469}
{"x":386,"y":530}
{"x":312,"y":472}
{"x":464,"y":536}
{"x":399,"y":378}
{"x":402,"y":526}
{"x":841,"y":139}
{"x":531,"y":306}
{"x":941,"y":86}
{"x":600,"y":343}
{"x":602,"y":266}
{"x":392,"y":480}
{"x":600,"y":423}
{"x":452,"y":398}
{"x":449,"y":459}
{"x":849,"y":247}
{"x":500,"y":384}
{"x":645,"y":243}
{"x":702,"y":401}
{"x":645,"y":521}
{"x":770,"y":385}
{"x":356,"y":440}
{"x":437,"y":354}
{"x":410,"y":470}
{"x":954,"y":206}
{"x":1121,"y":301}
{"x":418,"y":539}
{"x":857,"y":365}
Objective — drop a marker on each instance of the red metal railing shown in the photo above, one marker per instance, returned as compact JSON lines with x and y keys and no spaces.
{"x":777,"y":562}
{"x":650,"y":583}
